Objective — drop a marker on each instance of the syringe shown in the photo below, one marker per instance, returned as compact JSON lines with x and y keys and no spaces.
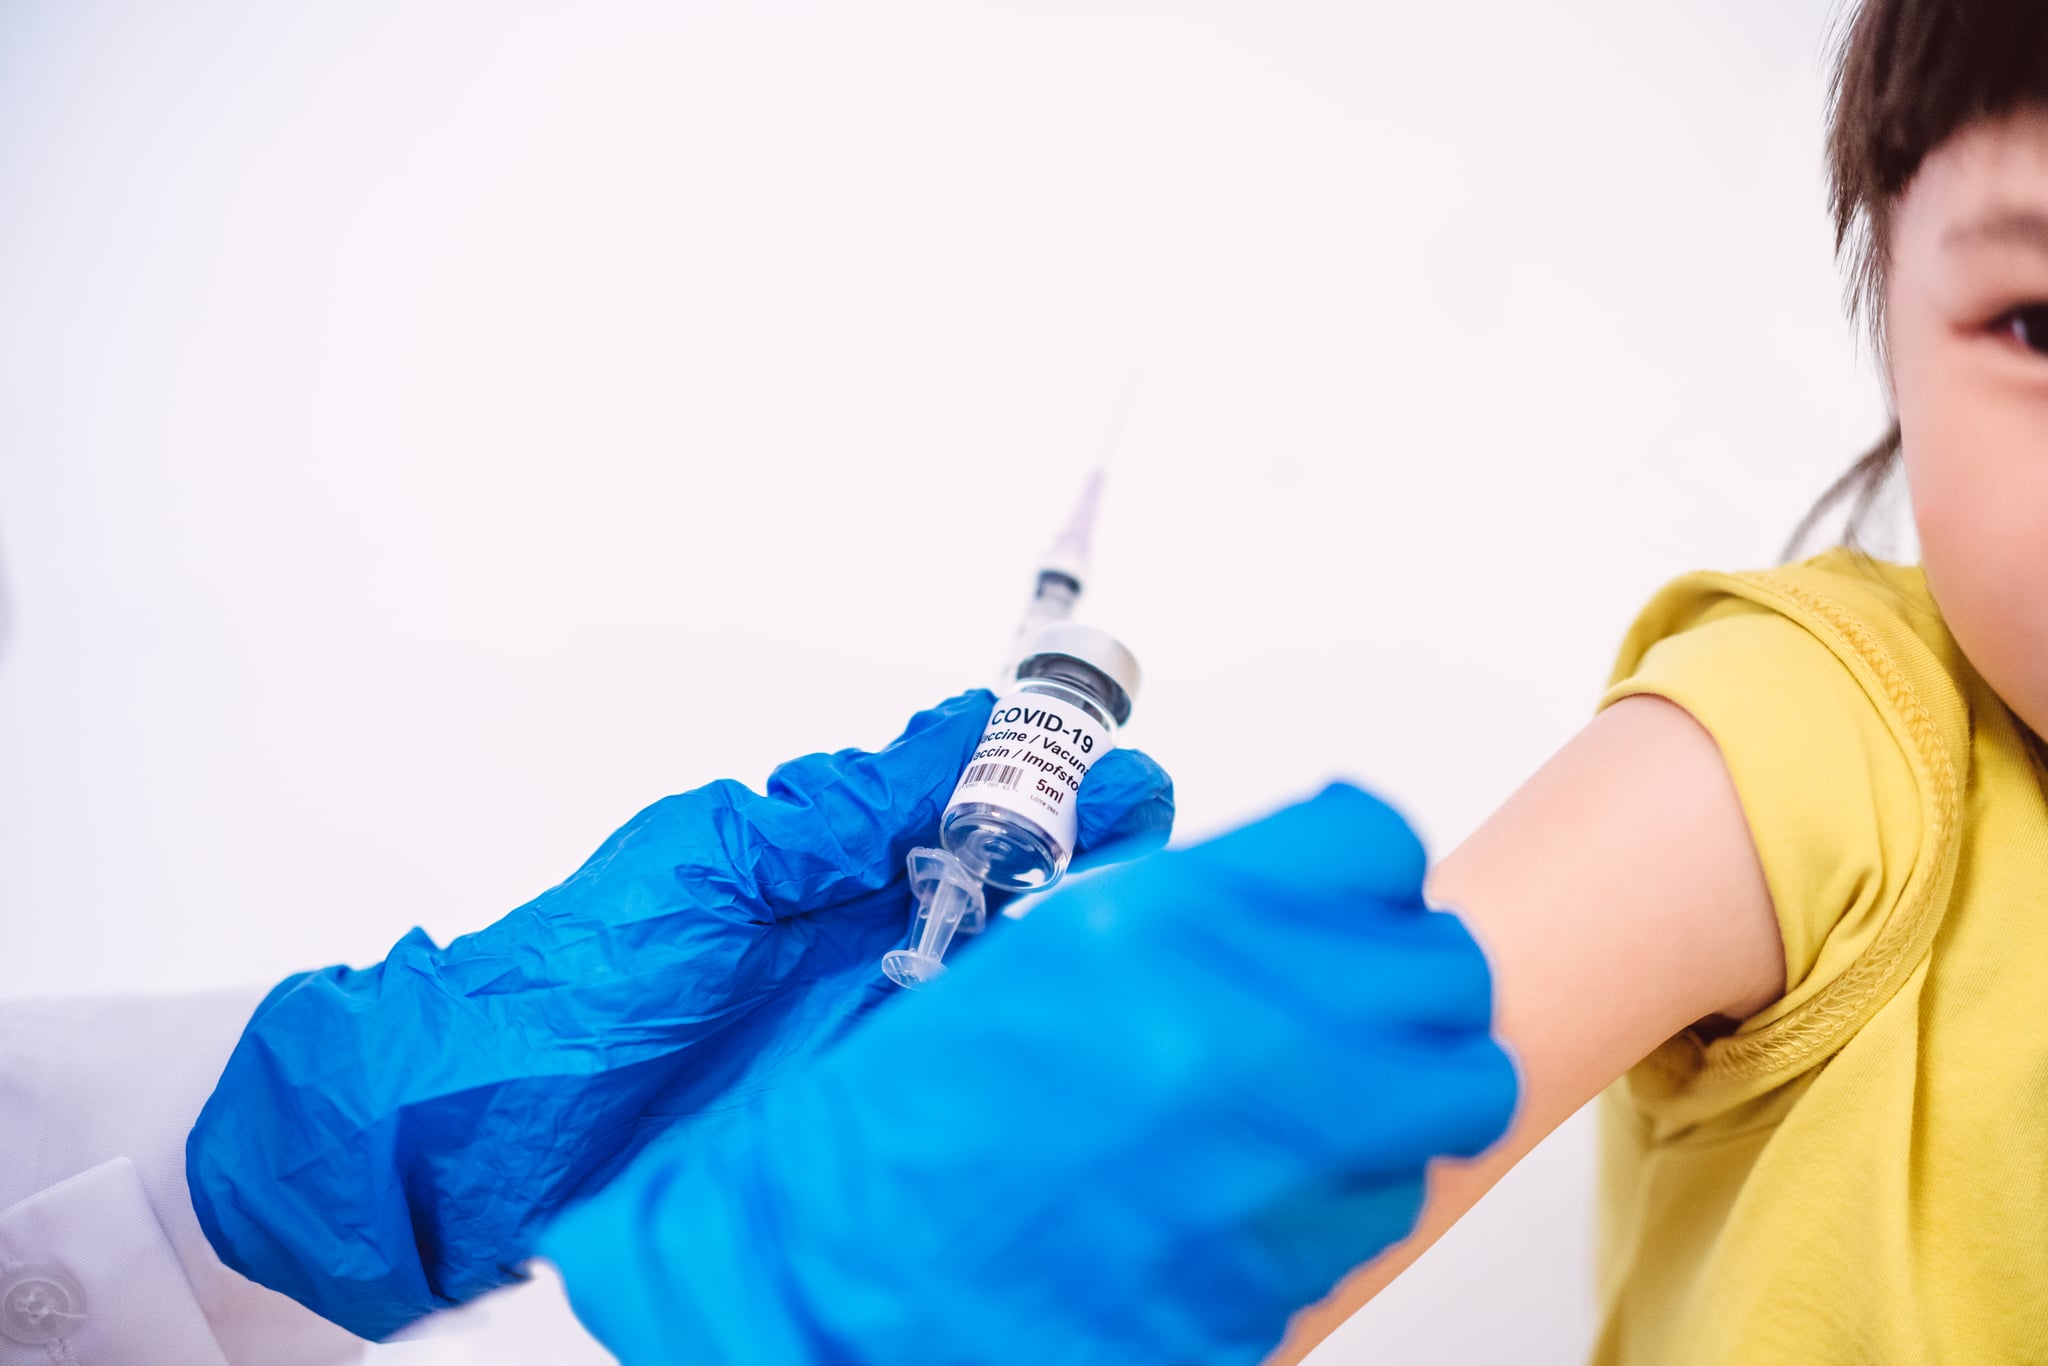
{"x":1063,"y":572}
{"x":1065,"y":688}
{"x":949,"y":902}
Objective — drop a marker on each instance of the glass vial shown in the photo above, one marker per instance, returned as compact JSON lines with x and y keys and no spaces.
{"x":1011,"y":821}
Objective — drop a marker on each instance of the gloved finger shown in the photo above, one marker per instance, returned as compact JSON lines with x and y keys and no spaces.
{"x":1459,"y":1089}
{"x":1343,"y":841}
{"x":1325,"y":1213}
{"x":1125,"y":809}
{"x":834,"y":826}
{"x":830,"y":826}
{"x":1297,"y":963}
{"x":1331,"y":876}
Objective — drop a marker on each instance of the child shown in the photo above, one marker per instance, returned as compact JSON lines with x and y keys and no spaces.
{"x":1791,"y":885}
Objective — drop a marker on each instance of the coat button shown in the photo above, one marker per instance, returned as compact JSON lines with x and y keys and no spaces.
{"x":39,"y":1304}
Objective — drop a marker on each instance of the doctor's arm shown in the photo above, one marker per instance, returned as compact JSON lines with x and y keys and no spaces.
{"x":1620,"y":899}
{"x":101,"y":1256}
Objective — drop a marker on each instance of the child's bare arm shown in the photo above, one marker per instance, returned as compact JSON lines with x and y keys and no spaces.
{"x":1619,"y":898}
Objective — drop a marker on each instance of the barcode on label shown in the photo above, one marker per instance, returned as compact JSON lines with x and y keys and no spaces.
{"x":995,"y":775}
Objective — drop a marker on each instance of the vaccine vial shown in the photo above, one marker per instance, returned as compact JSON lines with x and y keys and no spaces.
{"x":1011,"y":821}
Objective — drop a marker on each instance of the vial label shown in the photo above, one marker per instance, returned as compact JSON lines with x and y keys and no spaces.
{"x":1031,"y":759}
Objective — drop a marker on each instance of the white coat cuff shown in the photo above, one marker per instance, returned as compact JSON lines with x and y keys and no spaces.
{"x":88,"y":1277}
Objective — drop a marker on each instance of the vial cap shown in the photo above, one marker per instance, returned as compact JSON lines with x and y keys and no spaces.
{"x":1093,"y":646}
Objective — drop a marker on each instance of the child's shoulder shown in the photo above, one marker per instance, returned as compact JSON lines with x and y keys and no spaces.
{"x":1841,"y":707}
{"x":1842,"y":630}
{"x":1875,"y":618}
{"x":1828,"y":671}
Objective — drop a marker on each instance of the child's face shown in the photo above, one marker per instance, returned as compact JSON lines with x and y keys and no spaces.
{"x":1966,"y":325}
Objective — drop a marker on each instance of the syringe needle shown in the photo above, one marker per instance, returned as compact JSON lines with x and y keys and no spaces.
{"x":1063,"y":571}
{"x":1119,"y":415}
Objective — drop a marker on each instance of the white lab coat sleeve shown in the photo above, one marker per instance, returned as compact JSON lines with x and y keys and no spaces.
{"x":102,"y":1262}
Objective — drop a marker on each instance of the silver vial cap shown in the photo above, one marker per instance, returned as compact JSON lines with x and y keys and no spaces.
{"x":1094,"y":647}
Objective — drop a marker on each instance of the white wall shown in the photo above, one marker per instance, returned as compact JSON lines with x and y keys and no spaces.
{"x":427,"y":433}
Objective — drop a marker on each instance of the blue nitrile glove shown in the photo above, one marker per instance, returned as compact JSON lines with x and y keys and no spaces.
{"x":1175,"y":1104}
{"x":388,"y":1142}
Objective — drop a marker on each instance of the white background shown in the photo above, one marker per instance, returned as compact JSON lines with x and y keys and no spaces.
{"x":428,"y":433}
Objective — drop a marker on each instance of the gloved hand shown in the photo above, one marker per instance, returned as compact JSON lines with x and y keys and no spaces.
{"x":1176,"y":1103}
{"x":387,"y":1142}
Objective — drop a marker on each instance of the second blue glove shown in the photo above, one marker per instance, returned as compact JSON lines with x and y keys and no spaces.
{"x":1174,"y":1105}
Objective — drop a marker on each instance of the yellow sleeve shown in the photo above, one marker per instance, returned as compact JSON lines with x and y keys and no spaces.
{"x":1830,"y":797}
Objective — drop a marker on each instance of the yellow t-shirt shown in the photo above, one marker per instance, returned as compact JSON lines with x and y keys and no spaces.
{"x":1859,"y":1173}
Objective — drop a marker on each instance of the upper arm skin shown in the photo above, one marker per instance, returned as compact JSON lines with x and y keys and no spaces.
{"x":1619,"y":899}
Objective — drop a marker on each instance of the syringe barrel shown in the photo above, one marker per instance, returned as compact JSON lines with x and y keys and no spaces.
{"x":1052,"y":600}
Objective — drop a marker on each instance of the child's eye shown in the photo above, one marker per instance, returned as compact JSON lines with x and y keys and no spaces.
{"x":2028,"y":326}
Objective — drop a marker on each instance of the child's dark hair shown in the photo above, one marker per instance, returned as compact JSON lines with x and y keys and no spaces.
{"x":1908,"y":73}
